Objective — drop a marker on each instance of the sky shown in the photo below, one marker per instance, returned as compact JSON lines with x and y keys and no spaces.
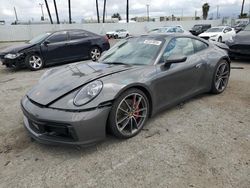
{"x":85,"y":9}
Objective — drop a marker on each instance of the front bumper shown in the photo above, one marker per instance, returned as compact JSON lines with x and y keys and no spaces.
{"x":52,"y":126}
{"x":13,"y":63}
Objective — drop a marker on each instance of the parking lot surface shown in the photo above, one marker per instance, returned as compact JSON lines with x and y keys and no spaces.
{"x":204,"y":142}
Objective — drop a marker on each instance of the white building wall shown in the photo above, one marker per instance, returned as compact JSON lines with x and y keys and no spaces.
{"x":27,"y":32}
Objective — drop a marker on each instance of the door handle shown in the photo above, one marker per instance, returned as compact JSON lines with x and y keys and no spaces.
{"x":198,"y":65}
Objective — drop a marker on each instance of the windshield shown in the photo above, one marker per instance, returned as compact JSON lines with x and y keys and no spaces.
{"x":39,"y":38}
{"x":197,"y":27}
{"x":247,"y":28}
{"x":215,"y":29}
{"x":133,"y":51}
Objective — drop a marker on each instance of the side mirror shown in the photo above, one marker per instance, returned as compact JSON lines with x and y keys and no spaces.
{"x":225,"y":31}
{"x":46,"y":43}
{"x":175,"y":59}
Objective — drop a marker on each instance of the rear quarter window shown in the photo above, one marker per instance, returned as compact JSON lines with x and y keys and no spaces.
{"x":74,"y":35}
{"x":199,"y":45}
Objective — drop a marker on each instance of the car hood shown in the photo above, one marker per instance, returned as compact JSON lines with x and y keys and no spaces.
{"x":58,"y":82}
{"x":15,"y":48}
{"x":209,"y":34}
{"x":242,"y":37}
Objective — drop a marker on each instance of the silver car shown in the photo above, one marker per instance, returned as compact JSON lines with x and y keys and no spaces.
{"x":134,"y":80}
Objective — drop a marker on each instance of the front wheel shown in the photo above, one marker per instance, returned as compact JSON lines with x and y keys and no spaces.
{"x":129,"y":114}
{"x":34,"y":62}
{"x":95,"y":53}
{"x":221,"y":77}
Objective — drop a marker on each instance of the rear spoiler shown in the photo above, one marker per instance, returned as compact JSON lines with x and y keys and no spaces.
{"x":221,"y":45}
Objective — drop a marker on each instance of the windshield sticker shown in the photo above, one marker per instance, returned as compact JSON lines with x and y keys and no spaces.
{"x":153,"y":42}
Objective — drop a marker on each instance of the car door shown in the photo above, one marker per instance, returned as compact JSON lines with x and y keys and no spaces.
{"x":227,"y":34}
{"x":55,"y":48}
{"x":80,"y":44}
{"x":178,"y":81}
{"x":231,"y":33}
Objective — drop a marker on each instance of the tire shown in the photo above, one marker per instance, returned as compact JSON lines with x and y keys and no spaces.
{"x":220,"y":77}
{"x":116,"y":36}
{"x":220,"y":39}
{"x":34,"y":62}
{"x":127,"y":35}
{"x":124,"y":123}
{"x":95,"y":53}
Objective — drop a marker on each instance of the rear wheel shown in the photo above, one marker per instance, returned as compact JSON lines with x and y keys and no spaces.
{"x":129,"y":114}
{"x":221,"y":77}
{"x":34,"y":62}
{"x":95,"y":53}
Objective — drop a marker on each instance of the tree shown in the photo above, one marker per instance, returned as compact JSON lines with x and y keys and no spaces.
{"x":104,"y":12}
{"x":116,"y":15}
{"x":243,"y":15}
{"x":242,"y":8}
{"x":127,"y":11}
{"x":205,"y":10}
{"x":97,"y":11}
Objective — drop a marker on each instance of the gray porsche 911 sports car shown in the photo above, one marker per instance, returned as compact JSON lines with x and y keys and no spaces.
{"x":134,"y":80}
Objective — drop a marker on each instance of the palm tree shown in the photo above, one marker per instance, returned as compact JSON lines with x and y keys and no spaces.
{"x":104,"y":11}
{"x":69,"y":11}
{"x":97,"y":11}
{"x":205,"y":10}
{"x":127,"y":11}
{"x":242,"y":8}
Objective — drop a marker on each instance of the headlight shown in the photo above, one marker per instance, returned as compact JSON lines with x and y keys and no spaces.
{"x":88,"y":92}
{"x":214,"y":35}
{"x":12,"y":56}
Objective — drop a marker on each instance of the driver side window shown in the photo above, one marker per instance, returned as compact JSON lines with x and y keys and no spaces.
{"x":179,"y":47}
{"x":58,"y":37}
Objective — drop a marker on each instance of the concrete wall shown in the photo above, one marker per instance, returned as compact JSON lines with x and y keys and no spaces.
{"x":27,"y":32}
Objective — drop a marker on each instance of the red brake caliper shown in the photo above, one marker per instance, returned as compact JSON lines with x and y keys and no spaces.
{"x":136,"y":106}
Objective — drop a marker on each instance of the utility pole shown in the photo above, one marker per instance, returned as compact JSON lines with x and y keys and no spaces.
{"x":57,"y":18}
{"x":42,"y":18}
{"x":97,"y":11}
{"x":195,"y":14}
{"x":127,"y":11}
{"x":15,"y":14}
{"x":182,"y":14}
{"x":69,"y":12}
{"x":147,"y":11}
{"x":47,"y":6}
{"x":217,"y":11}
{"x":104,"y":10}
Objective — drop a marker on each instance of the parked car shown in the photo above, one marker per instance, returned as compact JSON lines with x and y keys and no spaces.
{"x":218,"y":34}
{"x":199,"y":28}
{"x":134,"y":80}
{"x":119,"y":33}
{"x":239,"y":46}
{"x":239,"y":26}
{"x":55,"y":47}
{"x":169,"y":29}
